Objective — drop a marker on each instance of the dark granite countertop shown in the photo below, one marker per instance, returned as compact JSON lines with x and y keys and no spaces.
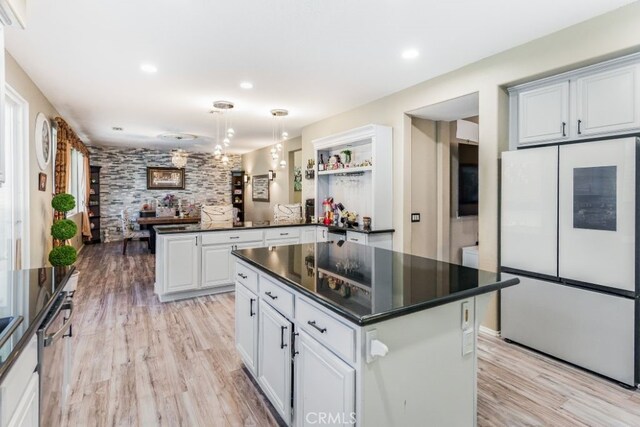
{"x":204,"y":227}
{"x":30,"y":294}
{"x":365,"y":284}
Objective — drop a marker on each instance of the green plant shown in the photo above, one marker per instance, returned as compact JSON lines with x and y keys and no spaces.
{"x":63,"y":229}
{"x":63,"y":255}
{"x":63,"y":202}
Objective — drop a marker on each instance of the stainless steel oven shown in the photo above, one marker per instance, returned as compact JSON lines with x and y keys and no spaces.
{"x":54,"y":360}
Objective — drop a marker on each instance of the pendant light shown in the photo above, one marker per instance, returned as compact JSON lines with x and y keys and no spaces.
{"x":224,"y":131}
{"x":278,"y":135}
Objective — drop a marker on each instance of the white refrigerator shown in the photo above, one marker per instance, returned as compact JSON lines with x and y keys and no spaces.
{"x":569,"y":231}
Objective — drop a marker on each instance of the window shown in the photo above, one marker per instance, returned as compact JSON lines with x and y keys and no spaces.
{"x":77,"y":181}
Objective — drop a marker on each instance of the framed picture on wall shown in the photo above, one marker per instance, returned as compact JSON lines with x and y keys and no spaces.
{"x":42,"y":181}
{"x":159,"y":178}
{"x":42,"y":134}
{"x":260,"y":188}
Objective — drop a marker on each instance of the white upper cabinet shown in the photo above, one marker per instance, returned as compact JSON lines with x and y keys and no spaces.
{"x":543,"y":113}
{"x":607,"y":102}
{"x":597,"y":101}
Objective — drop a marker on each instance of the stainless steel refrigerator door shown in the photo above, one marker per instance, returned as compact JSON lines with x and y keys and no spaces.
{"x":598,"y":213}
{"x":590,"y":329}
{"x":529,"y":210}
{"x":53,"y":359}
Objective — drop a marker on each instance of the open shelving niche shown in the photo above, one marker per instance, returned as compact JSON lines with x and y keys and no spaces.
{"x":366,"y":190}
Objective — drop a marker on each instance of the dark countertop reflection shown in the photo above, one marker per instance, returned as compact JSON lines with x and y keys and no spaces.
{"x":366,"y":284}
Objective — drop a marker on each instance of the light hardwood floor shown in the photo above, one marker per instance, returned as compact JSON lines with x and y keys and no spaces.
{"x":138,"y":362}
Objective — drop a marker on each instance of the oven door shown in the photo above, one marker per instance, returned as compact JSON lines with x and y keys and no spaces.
{"x":53,"y":361}
{"x":597,"y":217}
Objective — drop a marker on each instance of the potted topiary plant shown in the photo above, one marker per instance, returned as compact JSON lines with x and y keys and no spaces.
{"x":62,"y":230}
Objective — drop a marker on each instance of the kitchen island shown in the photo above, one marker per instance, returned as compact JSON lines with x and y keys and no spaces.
{"x":338,"y":333}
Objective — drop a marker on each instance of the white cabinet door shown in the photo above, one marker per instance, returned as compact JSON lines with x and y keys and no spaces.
{"x":27,"y":413}
{"x":529,"y":210}
{"x":598,"y":213}
{"x":322,"y":234}
{"x":308,"y":235}
{"x":608,"y":102}
{"x":324,"y":385}
{"x":275,"y":359}
{"x":247,"y":327}
{"x":543,"y":114}
{"x":217,"y":266}
{"x":182,"y":259}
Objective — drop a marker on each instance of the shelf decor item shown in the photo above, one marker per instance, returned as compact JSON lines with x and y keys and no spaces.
{"x":62,"y":230}
{"x":94,"y":205}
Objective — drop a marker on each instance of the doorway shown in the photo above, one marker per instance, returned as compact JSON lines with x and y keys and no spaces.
{"x":14,"y":197}
{"x":444,"y":178}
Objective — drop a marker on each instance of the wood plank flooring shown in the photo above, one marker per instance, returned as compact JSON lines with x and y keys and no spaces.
{"x":138,"y":362}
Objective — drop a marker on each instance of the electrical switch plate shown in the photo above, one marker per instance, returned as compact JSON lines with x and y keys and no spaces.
{"x":415,"y":217}
{"x":467,"y":342}
{"x":466,"y":316}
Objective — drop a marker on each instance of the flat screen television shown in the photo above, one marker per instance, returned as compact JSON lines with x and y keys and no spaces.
{"x":468,"y":190}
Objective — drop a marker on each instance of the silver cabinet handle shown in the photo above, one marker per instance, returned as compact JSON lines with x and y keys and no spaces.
{"x":244,"y":276}
{"x":284,"y":234}
{"x":564,"y":126}
{"x":318,"y":328}
{"x":579,"y":123}
{"x":270,"y":295}
{"x":353,"y":239}
{"x":49,"y":339}
{"x":234,"y":237}
{"x":251,"y":312}
{"x":282,"y":329}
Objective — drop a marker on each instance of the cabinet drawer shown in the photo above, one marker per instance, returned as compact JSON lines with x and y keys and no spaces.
{"x":247,"y":276}
{"x":360,"y":238}
{"x":329,"y":331}
{"x":282,"y":233}
{"x":220,"y":237}
{"x":278,"y":297}
{"x":17,"y":380}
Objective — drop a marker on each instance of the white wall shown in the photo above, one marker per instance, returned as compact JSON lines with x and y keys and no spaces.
{"x":41,"y":213}
{"x":259,"y":162}
{"x":604,"y":37}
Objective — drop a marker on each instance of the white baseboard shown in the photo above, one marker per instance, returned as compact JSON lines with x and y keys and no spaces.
{"x":488,"y":331}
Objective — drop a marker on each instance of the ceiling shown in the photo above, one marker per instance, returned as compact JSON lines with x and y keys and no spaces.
{"x":314,"y":58}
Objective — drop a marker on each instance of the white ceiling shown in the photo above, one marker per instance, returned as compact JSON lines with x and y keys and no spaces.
{"x":316,"y":58}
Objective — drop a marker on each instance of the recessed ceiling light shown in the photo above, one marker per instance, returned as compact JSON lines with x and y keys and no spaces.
{"x":410,"y":54}
{"x":246,"y":85}
{"x":149,"y":68}
{"x":117,"y":128}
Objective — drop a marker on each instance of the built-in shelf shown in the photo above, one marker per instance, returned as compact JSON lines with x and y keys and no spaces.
{"x":345,"y":171}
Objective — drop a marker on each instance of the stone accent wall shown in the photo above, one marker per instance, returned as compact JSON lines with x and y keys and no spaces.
{"x":123,"y":181}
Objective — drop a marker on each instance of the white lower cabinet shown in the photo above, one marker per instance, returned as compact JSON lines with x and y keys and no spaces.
{"x":274,"y":359}
{"x":246,"y":312}
{"x":324,"y":386}
{"x":216,"y":265}
{"x":182,"y":260}
{"x":27,"y":413}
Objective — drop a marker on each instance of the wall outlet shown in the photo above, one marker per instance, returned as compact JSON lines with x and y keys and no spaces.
{"x":415,"y":217}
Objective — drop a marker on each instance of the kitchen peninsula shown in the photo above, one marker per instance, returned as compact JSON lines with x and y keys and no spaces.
{"x":359,"y":334}
{"x":195,"y":259}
